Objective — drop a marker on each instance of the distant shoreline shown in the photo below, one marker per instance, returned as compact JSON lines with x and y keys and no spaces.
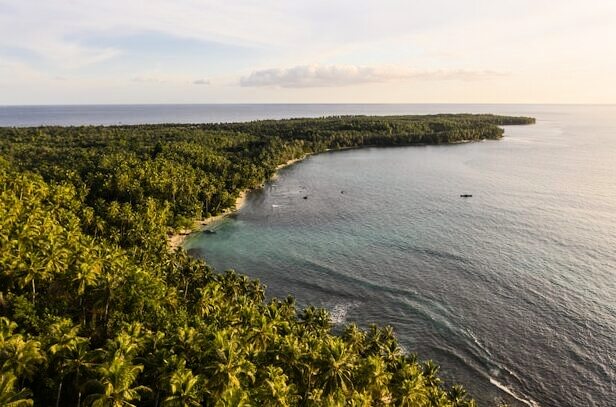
{"x":349,"y":132}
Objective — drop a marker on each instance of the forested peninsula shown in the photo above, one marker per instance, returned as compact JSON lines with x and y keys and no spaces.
{"x":95,"y":310}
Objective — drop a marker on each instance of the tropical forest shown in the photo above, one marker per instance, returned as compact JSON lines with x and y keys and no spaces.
{"x":97,"y":310}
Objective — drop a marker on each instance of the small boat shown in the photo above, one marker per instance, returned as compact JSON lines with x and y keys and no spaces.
{"x":466,"y":196}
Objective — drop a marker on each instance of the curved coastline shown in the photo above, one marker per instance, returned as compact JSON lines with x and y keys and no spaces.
{"x":339,"y":309}
{"x":177,"y":239}
{"x":137,"y":209}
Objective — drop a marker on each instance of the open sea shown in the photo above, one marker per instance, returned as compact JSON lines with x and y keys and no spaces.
{"x":512,"y":291}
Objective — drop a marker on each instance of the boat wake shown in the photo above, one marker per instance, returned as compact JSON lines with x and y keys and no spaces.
{"x":510,"y":392}
{"x":497,"y":369}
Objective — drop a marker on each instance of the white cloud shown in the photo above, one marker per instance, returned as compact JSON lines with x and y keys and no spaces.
{"x":553,"y":53}
{"x":13,"y":70}
{"x":313,"y":76}
{"x":159,"y":77}
{"x":321,"y":76}
{"x":148,"y":79}
{"x":457,"y":75}
{"x":55,"y":29}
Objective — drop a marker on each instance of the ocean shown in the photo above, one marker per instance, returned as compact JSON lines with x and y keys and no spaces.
{"x":512,"y":292}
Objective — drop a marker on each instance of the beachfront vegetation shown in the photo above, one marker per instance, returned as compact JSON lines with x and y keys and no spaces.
{"x":95,"y":310}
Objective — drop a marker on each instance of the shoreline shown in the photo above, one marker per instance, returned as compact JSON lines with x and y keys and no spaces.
{"x":177,"y":238}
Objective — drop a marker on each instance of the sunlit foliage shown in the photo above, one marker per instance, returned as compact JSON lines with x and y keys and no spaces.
{"x":94,"y":309}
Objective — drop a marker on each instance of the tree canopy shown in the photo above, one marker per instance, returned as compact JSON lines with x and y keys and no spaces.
{"x":94,"y":310}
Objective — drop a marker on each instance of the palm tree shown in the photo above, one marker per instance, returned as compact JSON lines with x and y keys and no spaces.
{"x":412,"y":393}
{"x":233,"y":397}
{"x":293,"y":354}
{"x":20,"y":356}
{"x":458,"y":397}
{"x":262,"y":332}
{"x":376,"y":378}
{"x":116,"y":380}
{"x":436,"y":396}
{"x":212,"y":297}
{"x":72,"y":354}
{"x":430,"y":373}
{"x":187,"y":343}
{"x":354,"y":337}
{"x":9,"y":397}
{"x":336,"y":364}
{"x":63,"y":337}
{"x":87,"y":275}
{"x":317,"y":319}
{"x":275,"y":390}
{"x":360,"y":399}
{"x":184,"y":388}
{"x":78,"y":361}
{"x":409,"y":384}
{"x":228,"y":365}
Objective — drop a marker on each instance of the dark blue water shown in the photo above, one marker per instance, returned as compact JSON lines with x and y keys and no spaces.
{"x":512,"y":292}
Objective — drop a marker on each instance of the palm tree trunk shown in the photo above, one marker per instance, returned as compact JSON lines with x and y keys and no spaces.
{"x":78,"y":388}
{"x":83,"y":312}
{"x":59,"y":393}
{"x":107,"y":306}
{"x":33,"y":292}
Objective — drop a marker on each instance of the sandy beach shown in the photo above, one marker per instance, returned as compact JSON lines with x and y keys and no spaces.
{"x":178,"y":238}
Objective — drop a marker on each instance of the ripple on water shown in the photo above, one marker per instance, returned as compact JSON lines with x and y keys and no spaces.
{"x":512,"y":291}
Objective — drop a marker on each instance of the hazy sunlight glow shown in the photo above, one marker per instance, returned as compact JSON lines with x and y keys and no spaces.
{"x":201,"y":51}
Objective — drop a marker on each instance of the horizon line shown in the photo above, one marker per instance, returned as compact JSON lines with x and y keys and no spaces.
{"x":312,"y":103}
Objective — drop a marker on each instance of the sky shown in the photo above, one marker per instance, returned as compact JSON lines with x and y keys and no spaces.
{"x":316,"y":51}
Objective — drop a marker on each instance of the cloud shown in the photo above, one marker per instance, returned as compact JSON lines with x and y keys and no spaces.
{"x":148,"y":79}
{"x":306,"y":76}
{"x":309,"y":76}
{"x":157,"y":77}
{"x":14,"y":71}
{"x":113,"y":40}
{"x":458,"y":75}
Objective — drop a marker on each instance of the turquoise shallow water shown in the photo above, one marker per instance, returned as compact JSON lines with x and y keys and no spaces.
{"x":512,"y":292}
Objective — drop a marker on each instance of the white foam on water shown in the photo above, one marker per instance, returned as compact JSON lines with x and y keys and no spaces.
{"x":338,"y":312}
{"x":403,"y":349}
{"x":510,"y":392}
{"x":512,"y":373}
{"x":477,"y":342}
{"x":496,"y":372}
